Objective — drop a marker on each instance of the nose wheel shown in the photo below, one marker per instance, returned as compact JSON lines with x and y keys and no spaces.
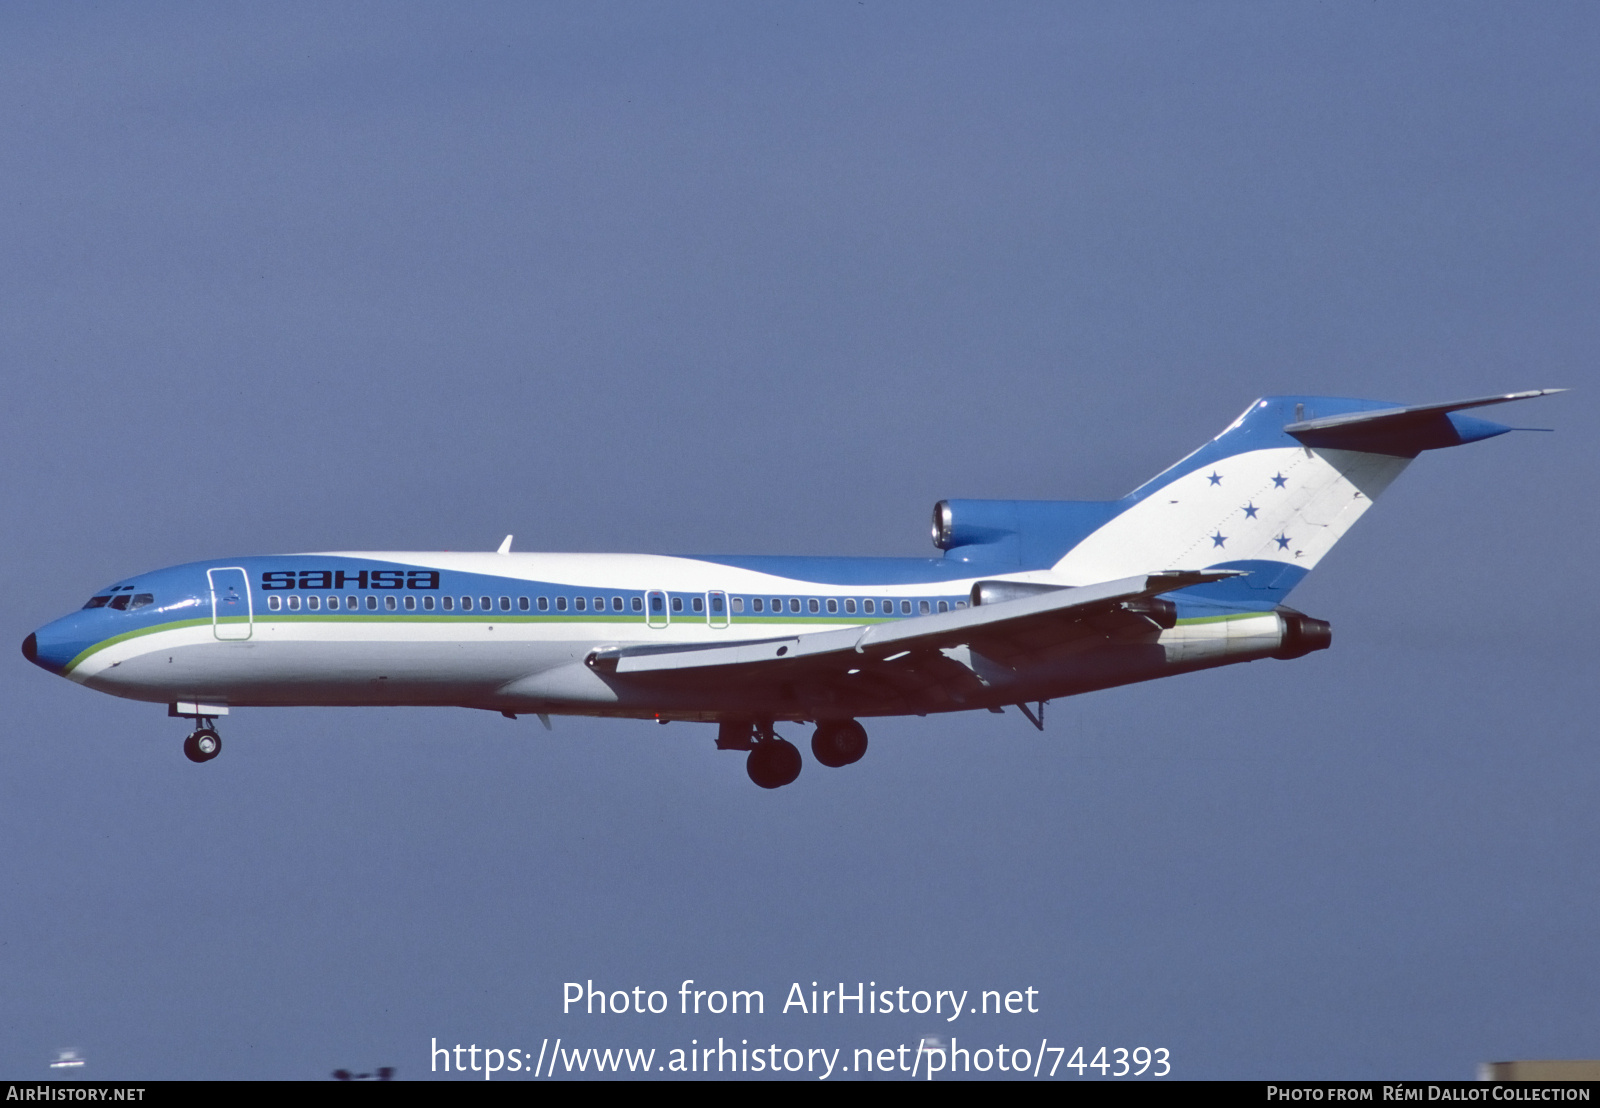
{"x":203,"y":745}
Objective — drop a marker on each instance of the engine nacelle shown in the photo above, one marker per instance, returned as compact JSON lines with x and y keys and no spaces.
{"x":1162,"y":613}
{"x":997,"y":592}
{"x":1302,"y":634}
{"x":978,"y":523}
{"x":1008,"y":534}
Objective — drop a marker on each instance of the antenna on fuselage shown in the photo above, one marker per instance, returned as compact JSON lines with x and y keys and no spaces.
{"x":505,"y":547}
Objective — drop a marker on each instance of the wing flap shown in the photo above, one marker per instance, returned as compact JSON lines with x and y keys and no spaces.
{"x":653,"y":659}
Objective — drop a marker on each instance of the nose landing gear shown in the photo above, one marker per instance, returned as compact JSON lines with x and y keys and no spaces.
{"x":203,"y":745}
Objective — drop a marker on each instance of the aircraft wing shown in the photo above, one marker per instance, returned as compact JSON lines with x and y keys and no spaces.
{"x":912,"y":654}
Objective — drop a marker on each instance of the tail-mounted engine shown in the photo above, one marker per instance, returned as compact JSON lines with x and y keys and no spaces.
{"x":1163,"y":613}
{"x":1302,"y":634}
{"x":998,"y":592}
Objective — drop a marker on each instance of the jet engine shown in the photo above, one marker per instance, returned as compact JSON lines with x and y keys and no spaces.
{"x":1302,"y":634}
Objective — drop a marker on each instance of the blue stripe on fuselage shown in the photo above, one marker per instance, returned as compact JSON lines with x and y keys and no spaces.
{"x":845,"y":571}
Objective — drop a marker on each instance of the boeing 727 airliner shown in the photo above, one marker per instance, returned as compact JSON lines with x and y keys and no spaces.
{"x":1030,"y":600}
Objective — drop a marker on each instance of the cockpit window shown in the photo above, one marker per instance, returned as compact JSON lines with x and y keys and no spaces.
{"x":140,"y":599}
{"x":120,"y":602}
{"x":97,"y":602}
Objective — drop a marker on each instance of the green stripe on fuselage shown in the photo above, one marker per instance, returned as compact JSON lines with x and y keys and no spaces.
{"x":1220,"y":619}
{"x":126,"y":635}
{"x":414,"y":619}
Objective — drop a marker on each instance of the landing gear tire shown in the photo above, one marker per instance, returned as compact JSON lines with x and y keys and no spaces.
{"x":773,"y":764}
{"x":839,"y":744}
{"x":202,"y":746}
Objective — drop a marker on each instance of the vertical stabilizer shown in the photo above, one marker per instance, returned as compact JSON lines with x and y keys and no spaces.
{"x":1271,"y":494}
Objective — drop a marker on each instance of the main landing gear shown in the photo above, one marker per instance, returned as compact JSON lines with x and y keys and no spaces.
{"x":839,"y":742}
{"x":204,"y":745}
{"x":774,"y":762}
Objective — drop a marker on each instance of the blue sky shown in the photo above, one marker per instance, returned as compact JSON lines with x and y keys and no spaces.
{"x":773,"y":278}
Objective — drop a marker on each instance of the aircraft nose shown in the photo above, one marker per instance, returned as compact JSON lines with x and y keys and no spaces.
{"x":49,"y":654}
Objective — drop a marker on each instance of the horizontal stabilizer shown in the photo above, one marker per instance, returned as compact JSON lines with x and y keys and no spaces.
{"x":1406,"y":432}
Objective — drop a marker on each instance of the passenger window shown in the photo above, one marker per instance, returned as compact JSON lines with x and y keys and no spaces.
{"x":638,"y":603}
{"x":812,"y":604}
{"x":738,"y":603}
{"x":97,"y":602}
{"x":944,"y":606}
{"x":599,"y":603}
{"x":485,"y":603}
{"x":274,"y":603}
{"x":388,"y":602}
{"x":580,"y":604}
{"x":448,"y":603}
{"x":333,"y":603}
{"x":544,"y":603}
{"x":466,"y":603}
{"x":699,"y":603}
{"x":716,"y":605}
{"x":833,"y":605}
{"x":777,"y":604}
{"x":561,"y":603}
{"x":657,"y":603}
{"x":677,"y":604}
{"x":755,"y":603}
{"x":350,"y":603}
{"x":850,"y":607}
{"x":961,"y":604}
{"x":372,"y":604}
{"x":868,"y":606}
{"x":522,"y":604}
{"x":312,"y":602}
{"x":794,"y":603}
{"x":616,"y":603}
{"x":905,"y":607}
{"x":294,"y":603}
{"x":505,"y":603}
{"x":411,"y":602}
{"x":427,"y":604}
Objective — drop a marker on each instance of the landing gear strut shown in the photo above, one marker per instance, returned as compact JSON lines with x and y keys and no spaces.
{"x":773,"y":763}
{"x":839,"y":742}
{"x":204,"y":744}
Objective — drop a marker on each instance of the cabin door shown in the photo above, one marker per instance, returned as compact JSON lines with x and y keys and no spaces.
{"x":232,"y":618}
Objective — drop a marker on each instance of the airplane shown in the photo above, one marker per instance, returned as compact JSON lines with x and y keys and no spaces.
{"x":1028,"y":601}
